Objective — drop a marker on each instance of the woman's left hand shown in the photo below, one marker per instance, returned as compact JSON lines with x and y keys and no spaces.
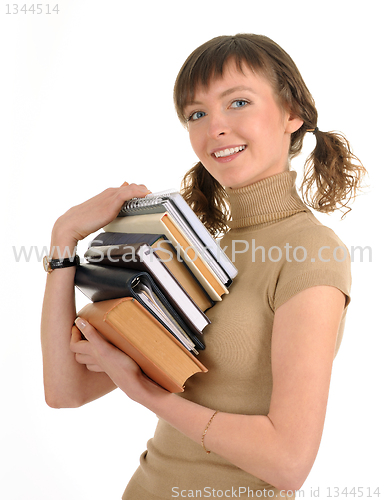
{"x":101,"y":356}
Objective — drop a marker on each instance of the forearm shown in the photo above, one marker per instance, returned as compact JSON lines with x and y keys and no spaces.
{"x":66,"y":382}
{"x":251,"y":442}
{"x":58,"y":314}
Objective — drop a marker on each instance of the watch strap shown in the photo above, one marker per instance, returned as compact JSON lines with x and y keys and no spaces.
{"x":52,"y":264}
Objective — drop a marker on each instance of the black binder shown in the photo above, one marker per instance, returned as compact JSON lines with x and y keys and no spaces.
{"x":105,"y":282}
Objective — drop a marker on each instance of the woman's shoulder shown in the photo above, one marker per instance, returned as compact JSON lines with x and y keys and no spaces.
{"x":305,"y":228}
{"x":315,"y":255}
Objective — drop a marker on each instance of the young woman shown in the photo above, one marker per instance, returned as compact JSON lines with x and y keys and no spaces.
{"x":260,"y":409}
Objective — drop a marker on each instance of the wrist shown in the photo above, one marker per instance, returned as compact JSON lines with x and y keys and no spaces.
{"x":150,"y":394}
{"x":63,"y":244}
{"x":62,"y":249}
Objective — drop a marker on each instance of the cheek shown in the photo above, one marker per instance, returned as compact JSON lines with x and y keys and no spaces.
{"x":270,"y":131}
{"x":196,"y":142}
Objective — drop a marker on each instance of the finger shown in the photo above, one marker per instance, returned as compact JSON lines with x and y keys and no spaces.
{"x":124,"y":184}
{"x":89,"y":361}
{"x":128,"y":192}
{"x":136,"y":190}
{"x":76,"y":335}
{"x":90,"y":333}
{"x":142,"y":186}
{"x":95,"y":368}
{"x":78,"y":343}
{"x":83,"y":359}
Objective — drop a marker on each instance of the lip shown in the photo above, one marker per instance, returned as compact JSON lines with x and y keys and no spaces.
{"x":226,"y":159}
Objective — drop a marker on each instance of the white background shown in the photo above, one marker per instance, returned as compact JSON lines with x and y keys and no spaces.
{"x":86,"y":103}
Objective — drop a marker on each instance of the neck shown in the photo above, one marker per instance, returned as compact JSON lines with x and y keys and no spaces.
{"x":265,"y":201}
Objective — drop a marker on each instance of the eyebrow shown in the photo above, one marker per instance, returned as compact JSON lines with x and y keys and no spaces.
{"x":226,"y":93}
{"x":236,"y":89}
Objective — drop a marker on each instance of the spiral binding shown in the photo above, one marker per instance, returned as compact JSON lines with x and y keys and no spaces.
{"x":147,"y":201}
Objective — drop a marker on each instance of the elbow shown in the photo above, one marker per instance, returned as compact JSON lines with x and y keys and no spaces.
{"x":59,"y":395}
{"x":59,"y":401}
{"x":292,"y":474}
{"x":291,"y":484}
{"x":58,"y":404}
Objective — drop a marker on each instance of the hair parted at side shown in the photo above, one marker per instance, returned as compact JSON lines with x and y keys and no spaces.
{"x":333,"y":174}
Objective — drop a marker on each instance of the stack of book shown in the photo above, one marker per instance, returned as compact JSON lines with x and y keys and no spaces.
{"x":151,"y":275}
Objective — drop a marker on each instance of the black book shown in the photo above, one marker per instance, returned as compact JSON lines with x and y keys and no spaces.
{"x":101,"y":283}
{"x":105,"y":245}
{"x":142,"y":257}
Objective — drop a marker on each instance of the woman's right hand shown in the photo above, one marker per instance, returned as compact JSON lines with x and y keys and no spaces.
{"x":80,"y":221}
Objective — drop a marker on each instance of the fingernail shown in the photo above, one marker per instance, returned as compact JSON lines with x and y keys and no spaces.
{"x":124,"y":184}
{"x":80,"y":323}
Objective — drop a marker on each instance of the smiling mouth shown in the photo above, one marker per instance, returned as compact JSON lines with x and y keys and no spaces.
{"x":228,"y":152}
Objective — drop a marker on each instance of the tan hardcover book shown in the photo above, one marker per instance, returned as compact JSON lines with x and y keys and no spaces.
{"x":126,"y":324}
{"x":164,"y":224}
{"x":185,"y":278}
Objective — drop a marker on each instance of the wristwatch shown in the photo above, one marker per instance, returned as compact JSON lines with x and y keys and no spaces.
{"x":52,"y":264}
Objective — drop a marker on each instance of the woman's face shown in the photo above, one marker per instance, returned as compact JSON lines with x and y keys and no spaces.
{"x":238,"y":130}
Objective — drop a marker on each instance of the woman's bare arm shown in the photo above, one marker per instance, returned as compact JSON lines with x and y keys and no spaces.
{"x":66,"y":382}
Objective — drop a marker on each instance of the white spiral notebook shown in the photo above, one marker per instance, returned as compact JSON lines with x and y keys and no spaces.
{"x":172,"y":202}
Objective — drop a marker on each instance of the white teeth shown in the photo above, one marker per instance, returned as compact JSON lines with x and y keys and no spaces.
{"x":228,"y":152}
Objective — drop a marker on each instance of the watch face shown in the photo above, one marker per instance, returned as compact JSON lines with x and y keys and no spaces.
{"x":46,"y":265}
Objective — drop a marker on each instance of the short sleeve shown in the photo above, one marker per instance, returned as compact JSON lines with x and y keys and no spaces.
{"x":313,"y":257}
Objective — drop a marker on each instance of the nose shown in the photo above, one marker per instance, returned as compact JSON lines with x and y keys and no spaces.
{"x":217,"y":125}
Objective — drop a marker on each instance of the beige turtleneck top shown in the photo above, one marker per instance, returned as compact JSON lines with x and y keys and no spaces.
{"x":280,"y":249}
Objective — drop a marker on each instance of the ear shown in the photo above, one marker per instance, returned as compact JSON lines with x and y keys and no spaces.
{"x":293,"y":123}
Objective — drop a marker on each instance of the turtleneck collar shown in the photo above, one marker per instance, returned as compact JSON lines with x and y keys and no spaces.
{"x":265,"y":202}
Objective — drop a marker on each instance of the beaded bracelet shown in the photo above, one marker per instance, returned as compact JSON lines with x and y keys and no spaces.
{"x":206,"y":429}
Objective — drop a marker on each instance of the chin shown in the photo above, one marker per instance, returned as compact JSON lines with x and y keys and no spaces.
{"x":241,"y":183}
{"x":232,"y":181}
{"x":236,"y":181}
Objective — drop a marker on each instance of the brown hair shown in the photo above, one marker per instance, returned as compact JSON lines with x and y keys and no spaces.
{"x":332,"y":169}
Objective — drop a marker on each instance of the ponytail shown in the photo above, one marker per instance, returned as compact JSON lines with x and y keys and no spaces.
{"x":207,"y":198}
{"x":332,"y":175}
{"x":332,"y":178}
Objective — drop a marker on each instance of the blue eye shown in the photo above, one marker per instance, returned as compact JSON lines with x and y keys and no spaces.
{"x":196,"y":115}
{"x":239,"y":103}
